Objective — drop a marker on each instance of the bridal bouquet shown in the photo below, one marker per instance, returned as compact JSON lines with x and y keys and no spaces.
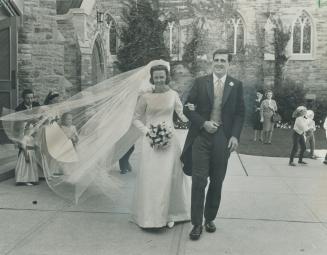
{"x":160,"y":136}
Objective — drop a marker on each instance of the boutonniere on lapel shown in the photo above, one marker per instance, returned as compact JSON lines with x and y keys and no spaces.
{"x":231,"y":84}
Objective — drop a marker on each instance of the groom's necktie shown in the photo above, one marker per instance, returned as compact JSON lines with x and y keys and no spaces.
{"x":217,"y":103}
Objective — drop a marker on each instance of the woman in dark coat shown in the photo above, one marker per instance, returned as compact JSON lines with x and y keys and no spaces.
{"x":257,"y":124}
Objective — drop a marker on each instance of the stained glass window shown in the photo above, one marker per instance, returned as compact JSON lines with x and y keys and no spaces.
{"x":269,"y":37}
{"x":235,"y":34}
{"x":112,"y":35}
{"x":302,"y":34}
{"x":307,"y":38}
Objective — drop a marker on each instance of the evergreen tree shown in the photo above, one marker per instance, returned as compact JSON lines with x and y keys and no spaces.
{"x":142,"y":37}
{"x":281,"y":39}
{"x":191,"y":51}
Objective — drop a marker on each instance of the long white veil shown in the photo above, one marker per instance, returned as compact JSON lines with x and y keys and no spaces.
{"x":102,"y":115}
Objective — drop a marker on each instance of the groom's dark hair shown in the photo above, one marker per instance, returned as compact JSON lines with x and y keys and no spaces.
{"x":159,"y":68}
{"x":223,"y":51}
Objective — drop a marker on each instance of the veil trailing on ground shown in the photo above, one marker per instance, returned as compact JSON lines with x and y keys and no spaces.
{"x":102,"y":115}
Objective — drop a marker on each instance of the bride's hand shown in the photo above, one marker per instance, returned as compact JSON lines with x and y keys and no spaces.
{"x":146,"y":131}
{"x":183,"y":118}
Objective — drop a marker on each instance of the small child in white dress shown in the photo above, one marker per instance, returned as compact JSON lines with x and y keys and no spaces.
{"x":68,"y":127}
{"x":26,"y":171}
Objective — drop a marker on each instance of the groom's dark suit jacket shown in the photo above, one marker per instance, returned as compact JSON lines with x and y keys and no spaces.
{"x":202,"y":96}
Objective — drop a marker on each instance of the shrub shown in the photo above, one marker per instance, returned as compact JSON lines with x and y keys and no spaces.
{"x":288,"y":97}
{"x":320,"y":110}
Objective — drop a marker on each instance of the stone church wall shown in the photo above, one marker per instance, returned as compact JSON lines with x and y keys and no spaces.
{"x":40,"y":49}
{"x":72,"y":55}
{"x":56,"y":53}
{"x":250,"y":66}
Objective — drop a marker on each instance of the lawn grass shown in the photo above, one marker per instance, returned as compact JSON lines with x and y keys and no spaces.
{"x":281,"y":143}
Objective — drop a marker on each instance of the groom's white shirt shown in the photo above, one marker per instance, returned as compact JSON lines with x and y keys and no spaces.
{"x":222,"y":79}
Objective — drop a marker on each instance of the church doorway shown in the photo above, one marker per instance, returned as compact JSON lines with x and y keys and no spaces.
{"x":8,"y":67}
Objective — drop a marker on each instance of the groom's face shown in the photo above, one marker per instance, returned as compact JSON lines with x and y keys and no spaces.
{"x":220,"y":64}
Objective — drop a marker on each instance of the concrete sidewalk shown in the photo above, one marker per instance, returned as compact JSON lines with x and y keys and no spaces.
{"x":268,"y":208}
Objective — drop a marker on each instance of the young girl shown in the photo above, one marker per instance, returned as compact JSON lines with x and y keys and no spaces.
{"x":68,"y":127}
{"x":311,"y":133}
{"x":26,"y":171}
{"x":299,"y":129}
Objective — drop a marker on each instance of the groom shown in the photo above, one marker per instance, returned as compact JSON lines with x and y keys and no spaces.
{"x":216,"y":125}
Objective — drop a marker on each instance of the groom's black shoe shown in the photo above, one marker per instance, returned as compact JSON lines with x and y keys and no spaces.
{"x":210,"y":226}
{"x":196,"y":232}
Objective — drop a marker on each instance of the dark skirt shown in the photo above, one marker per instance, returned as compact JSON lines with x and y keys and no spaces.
{"x":257,"y":124}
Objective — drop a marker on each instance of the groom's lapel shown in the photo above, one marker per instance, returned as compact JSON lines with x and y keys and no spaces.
{"x":227,"y":90}
{"x":209,"y":86}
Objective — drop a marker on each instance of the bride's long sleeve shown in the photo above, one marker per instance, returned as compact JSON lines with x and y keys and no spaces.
{"x":139,"y":115}
{"x":179,"y":108}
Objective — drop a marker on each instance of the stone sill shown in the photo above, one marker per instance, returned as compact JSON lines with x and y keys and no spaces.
{"x":307,"y":57}
{"x":295,"y":57}
{"x":269,"y":57}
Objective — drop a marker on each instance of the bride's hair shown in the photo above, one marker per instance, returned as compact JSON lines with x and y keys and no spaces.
{"x":160,"y":68}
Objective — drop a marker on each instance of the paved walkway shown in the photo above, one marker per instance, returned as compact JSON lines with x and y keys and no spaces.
{"x":268,"y":208}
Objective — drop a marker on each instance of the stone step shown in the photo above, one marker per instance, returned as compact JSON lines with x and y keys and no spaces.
{"x":7,"y":168}
{"x":8,"y":159}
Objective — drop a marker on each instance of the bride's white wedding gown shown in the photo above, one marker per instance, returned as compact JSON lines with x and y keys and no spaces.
{"x":162,"y":192}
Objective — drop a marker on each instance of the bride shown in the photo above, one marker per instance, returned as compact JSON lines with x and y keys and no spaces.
{"x":108,"y":117}
{"x":162,"y":194}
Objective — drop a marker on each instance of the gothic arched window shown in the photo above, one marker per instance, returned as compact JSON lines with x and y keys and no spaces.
{"x":113,"y":41}
{"x":235,"y":34}
{"x":302,"y":34}
{"x":269,"y":53}
{"x":97,"y":62}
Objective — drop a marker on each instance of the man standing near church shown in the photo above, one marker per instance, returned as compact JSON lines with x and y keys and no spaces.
{"x":216,"y":125}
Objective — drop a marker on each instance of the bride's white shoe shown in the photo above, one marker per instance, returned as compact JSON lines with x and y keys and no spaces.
{"x":170,"y":224}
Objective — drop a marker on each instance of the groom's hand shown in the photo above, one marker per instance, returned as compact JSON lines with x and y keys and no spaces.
{"x":190,"y":106}
{"x":232,"y":144}
{"x":210,"y":126}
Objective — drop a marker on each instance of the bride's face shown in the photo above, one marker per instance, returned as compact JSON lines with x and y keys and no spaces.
{"x":159,"y":78}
